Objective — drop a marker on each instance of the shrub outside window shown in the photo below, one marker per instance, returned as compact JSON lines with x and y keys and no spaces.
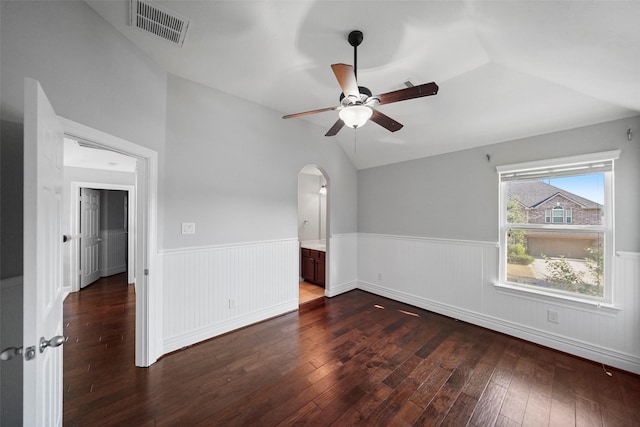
{"x":556,"y":225}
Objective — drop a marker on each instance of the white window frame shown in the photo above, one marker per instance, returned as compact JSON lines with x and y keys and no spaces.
{"x":559,"y":209}
{"x":567,"y":166}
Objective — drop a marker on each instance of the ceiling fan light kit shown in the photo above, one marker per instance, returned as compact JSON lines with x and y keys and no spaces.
{"x":357,"y":104}
{"x":355,"y":116}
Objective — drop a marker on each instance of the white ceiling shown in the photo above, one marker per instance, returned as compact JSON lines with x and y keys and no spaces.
{"x":506,"y":69}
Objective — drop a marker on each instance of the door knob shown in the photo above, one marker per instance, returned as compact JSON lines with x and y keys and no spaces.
{"x":10,"y":352}
{"x":53,"y":342}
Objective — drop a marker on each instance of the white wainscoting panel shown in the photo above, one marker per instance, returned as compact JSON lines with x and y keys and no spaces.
{"x":213,"y":290}
{"x":343,"y":264}
{"x":457,"y":279}
{"x":113,"y":252}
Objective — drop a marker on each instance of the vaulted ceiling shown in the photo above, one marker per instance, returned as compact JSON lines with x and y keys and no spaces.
{"x":506,"y":69}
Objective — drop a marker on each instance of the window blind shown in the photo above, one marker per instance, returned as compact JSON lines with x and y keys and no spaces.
{"x":567,"y":166}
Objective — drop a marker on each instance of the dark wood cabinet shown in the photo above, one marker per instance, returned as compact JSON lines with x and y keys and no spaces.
{"x":312,"y":266}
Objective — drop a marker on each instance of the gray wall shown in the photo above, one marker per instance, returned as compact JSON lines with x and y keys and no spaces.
{"x":90,"y":72}
{"x":234,"y":170}
{"x":11,"y":157}
{"x":112,"y":210}
{"x":455,"y":196}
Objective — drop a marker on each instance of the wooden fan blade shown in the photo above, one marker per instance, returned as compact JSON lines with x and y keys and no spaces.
{"x":385,"y":121}
{"x":335,"y":128}
{"x":347,"y":79}
{"x":419,"y":91}
{"x":306,"y":113}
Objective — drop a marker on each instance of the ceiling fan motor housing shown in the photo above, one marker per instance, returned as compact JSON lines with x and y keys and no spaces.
{"x":365,"y":93}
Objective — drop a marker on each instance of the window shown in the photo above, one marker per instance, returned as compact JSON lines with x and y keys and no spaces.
{"x":556,"y":225}
{"x":558,"y":215}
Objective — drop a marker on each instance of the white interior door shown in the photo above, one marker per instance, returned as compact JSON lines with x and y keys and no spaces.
{"x":43,"y":168}
{"x":90,"y":236}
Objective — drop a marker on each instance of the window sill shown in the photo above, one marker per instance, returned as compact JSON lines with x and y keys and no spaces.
{"x":563,"y":300}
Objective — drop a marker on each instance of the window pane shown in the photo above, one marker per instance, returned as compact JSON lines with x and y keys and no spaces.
{"x":558,"y":215}
{"x":546,"y":200}
{"x":557,"y":256}
{"x":561,"y":260}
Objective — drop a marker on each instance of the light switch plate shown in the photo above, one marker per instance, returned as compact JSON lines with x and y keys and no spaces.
{"x":188,"y":228}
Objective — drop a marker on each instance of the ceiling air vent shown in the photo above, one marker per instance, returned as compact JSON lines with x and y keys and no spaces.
{"x":158,"y":20}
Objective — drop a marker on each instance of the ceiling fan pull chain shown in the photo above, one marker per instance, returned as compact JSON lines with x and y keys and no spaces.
{"x":355,"y":140}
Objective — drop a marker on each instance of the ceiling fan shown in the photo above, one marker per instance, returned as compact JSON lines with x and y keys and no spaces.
{"x":357,"y":104}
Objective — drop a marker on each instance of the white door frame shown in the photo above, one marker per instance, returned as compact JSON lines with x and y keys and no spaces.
{"x":74,"y":261}
{"x":148,"y":283}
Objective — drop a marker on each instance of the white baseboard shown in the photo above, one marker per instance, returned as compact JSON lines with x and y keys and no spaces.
{"x":201,"y":334}
{"x":341,"y":288}
{"x":588,"y":351}
{"x":113,"y":270}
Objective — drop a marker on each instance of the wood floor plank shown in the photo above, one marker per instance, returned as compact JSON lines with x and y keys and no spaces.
{"x":562,"y":414}
{"x":538,"y":410}
{"x":587,"y":413}
{"x":489,"y":404}
{"x":461,"y":411}
{"x":337,"y":361}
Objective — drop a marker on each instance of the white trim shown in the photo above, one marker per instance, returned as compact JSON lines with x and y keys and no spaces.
{"x":625,"y":254}
{"x":341,"y":288}
{"x":343,"y":236}
{"x":594,"y":306}
{"x":191,"y":249}
{"x":148,"y":287}
{"x":559,"y":161}
{"x":211,"y":331}
{"x":432,"y":240}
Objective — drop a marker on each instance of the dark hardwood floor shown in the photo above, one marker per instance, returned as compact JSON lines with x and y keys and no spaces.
{"x":355,"y":359}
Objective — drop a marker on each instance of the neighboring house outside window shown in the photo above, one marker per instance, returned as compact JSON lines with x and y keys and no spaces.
{"x":547,"y":204}
{"x":551,"y":237}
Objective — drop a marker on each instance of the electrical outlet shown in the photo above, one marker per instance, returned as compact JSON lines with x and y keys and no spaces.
{"x":232,"y":304}
{"x":188,"y":228}
{"x":379,"y":276}
{"x":552,"y":316}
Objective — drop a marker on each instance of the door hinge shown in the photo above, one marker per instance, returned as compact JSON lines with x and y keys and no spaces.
{"x":146,"y":271}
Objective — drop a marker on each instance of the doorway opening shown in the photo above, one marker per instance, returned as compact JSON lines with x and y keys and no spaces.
{"x":106,"y":229}
{"x":313,"y":229}
{"x":142,"y":225}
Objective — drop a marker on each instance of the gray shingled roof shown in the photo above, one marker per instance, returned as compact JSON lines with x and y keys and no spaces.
{"x":533,"y":193}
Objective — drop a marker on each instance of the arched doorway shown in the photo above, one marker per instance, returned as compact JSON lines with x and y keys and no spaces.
{"x":313,"y":230}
